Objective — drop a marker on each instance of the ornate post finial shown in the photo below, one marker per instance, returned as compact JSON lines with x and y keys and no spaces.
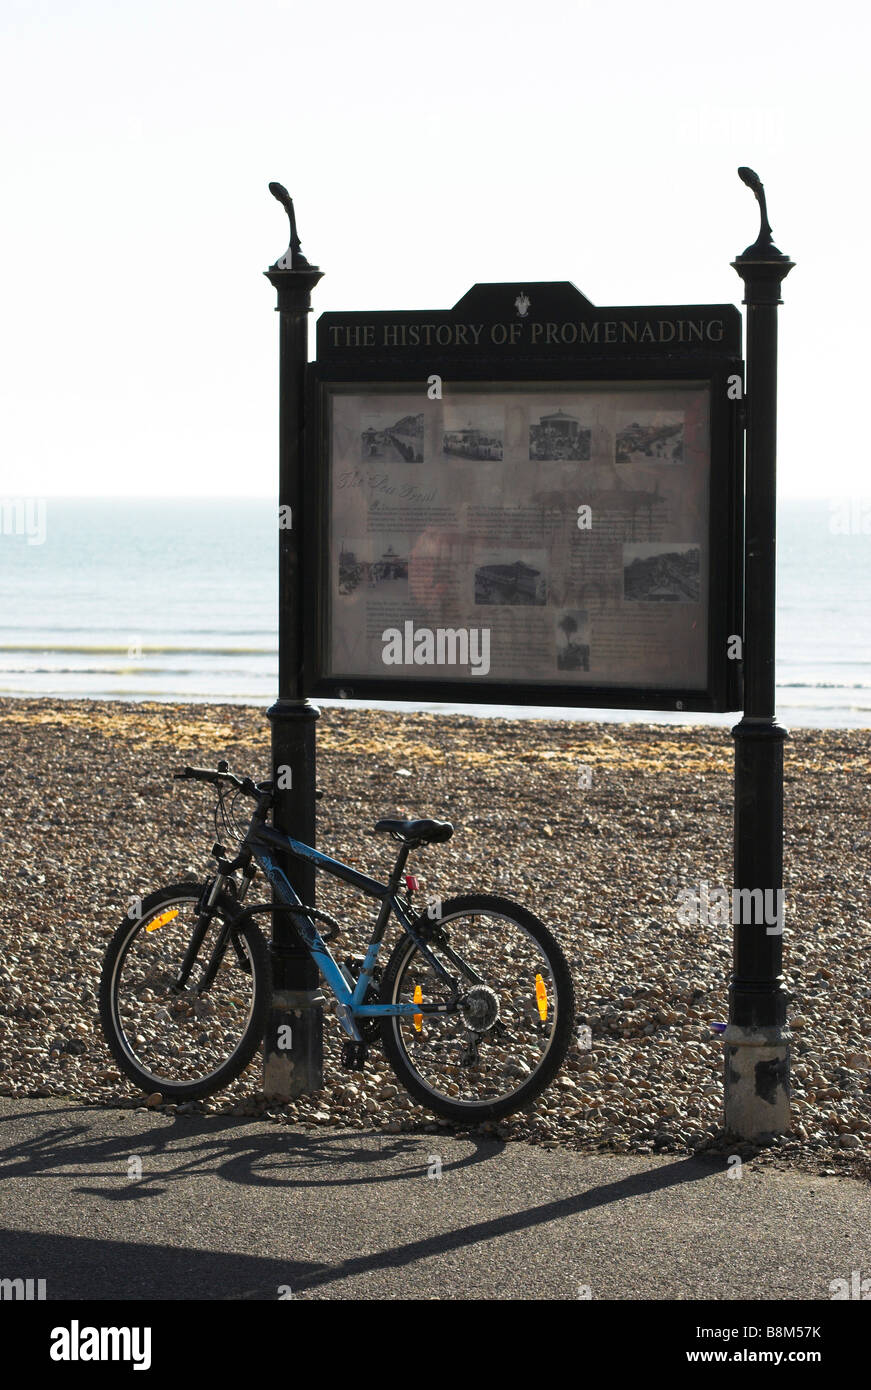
{"x":293,"y":259}
{"x":763,"y":248}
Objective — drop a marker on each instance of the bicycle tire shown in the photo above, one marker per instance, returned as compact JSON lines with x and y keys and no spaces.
{"x":113,"y":1028}
{"x":471,"y":1112}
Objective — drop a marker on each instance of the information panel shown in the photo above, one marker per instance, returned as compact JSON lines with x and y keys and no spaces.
{"x":547,"y":535}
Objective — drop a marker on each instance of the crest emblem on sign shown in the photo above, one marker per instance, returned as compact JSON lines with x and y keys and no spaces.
{"x":521,"y":304}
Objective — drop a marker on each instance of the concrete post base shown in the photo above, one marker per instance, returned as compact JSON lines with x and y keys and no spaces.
{"x":757,"y":1081}
{"x":293,"y":1049}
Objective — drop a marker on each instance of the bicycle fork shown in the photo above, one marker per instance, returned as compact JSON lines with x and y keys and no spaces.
{"x":206,"y":907}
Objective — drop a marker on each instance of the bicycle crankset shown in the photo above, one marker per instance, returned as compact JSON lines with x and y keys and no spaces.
{"x":370,"y":1028}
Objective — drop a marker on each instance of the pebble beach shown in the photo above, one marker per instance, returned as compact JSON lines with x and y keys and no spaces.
{"x":595,"y":827}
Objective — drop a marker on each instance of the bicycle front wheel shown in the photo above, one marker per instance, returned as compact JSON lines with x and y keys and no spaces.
{"x":508,"y":1034}
{"x":181,"y":1042}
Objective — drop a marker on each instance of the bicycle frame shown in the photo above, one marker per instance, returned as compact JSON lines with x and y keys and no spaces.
{"x":263,"y":840}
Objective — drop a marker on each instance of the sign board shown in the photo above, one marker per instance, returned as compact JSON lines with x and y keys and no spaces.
{"x":526,"y":499}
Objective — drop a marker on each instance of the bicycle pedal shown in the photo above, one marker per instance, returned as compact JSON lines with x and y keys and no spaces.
{"x":354,"y":1056}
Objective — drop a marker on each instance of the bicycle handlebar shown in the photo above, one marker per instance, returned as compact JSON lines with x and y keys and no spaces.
{"x":205,"y":774}
{"x":245,"y":784}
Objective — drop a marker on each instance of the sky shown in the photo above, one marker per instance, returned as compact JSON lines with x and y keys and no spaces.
{"x":426,"y":147}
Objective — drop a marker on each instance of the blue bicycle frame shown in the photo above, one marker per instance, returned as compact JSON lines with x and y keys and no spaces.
{"x":264,"y":839}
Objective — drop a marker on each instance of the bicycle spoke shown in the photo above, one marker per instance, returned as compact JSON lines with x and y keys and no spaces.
{"x":180,"y":1037}
{"x":498,"y":1037}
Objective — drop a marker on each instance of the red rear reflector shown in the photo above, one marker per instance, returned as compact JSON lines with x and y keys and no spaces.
{"x":412,"y":883}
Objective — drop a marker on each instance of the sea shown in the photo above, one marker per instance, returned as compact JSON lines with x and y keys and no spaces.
{"x":175,"y":600}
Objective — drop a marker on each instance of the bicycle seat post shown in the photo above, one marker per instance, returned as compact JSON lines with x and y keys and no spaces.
{"x":404,"y":850}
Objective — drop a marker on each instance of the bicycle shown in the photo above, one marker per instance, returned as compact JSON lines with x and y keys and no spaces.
{"x":474,"y":1008}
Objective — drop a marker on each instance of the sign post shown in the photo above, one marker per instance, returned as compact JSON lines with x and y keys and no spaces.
{"x":756,"y":1038}
{"x":528,"y":499}
{"x":293,"y":1046}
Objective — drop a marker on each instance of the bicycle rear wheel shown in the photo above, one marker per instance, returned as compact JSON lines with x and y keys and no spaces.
{"x":184,"y":1044}
{"x":508,"y":1036}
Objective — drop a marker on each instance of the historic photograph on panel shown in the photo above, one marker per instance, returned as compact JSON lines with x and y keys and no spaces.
{"x":473,"y":432}
{"x":668,"y":572}
{"x":353,"y":565}
{"x":388,"y":439}
{"x":388,"y":571}
{"x":484,"y":534}
{"x":555,"y":435}
{"x":374,"y":564}
{"x":650,"y":436}
{"x":573,"y":640}
{"x":505,"y":579}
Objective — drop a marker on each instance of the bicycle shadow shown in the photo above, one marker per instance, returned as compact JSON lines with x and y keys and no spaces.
{"x":195,"y":1146}
{"x":199,"y":1146}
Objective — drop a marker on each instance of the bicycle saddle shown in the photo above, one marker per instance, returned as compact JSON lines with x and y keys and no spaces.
{"x":423,"y":831}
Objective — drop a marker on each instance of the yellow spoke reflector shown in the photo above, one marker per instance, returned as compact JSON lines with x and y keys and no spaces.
{"x":417,"y":998}
{"x":162,"y":920}
{"x":541,"y":998}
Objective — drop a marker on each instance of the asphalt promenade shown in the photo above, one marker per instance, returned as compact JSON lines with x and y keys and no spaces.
{"x":107,"y":1204}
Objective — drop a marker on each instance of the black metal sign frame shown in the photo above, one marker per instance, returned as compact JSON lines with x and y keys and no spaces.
{"x":539,"y":334}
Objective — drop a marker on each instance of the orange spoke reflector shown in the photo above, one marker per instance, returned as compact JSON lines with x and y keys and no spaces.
{"x":541,"y":997}
{"x":162,"y":920}
{"x":417,"y":998}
